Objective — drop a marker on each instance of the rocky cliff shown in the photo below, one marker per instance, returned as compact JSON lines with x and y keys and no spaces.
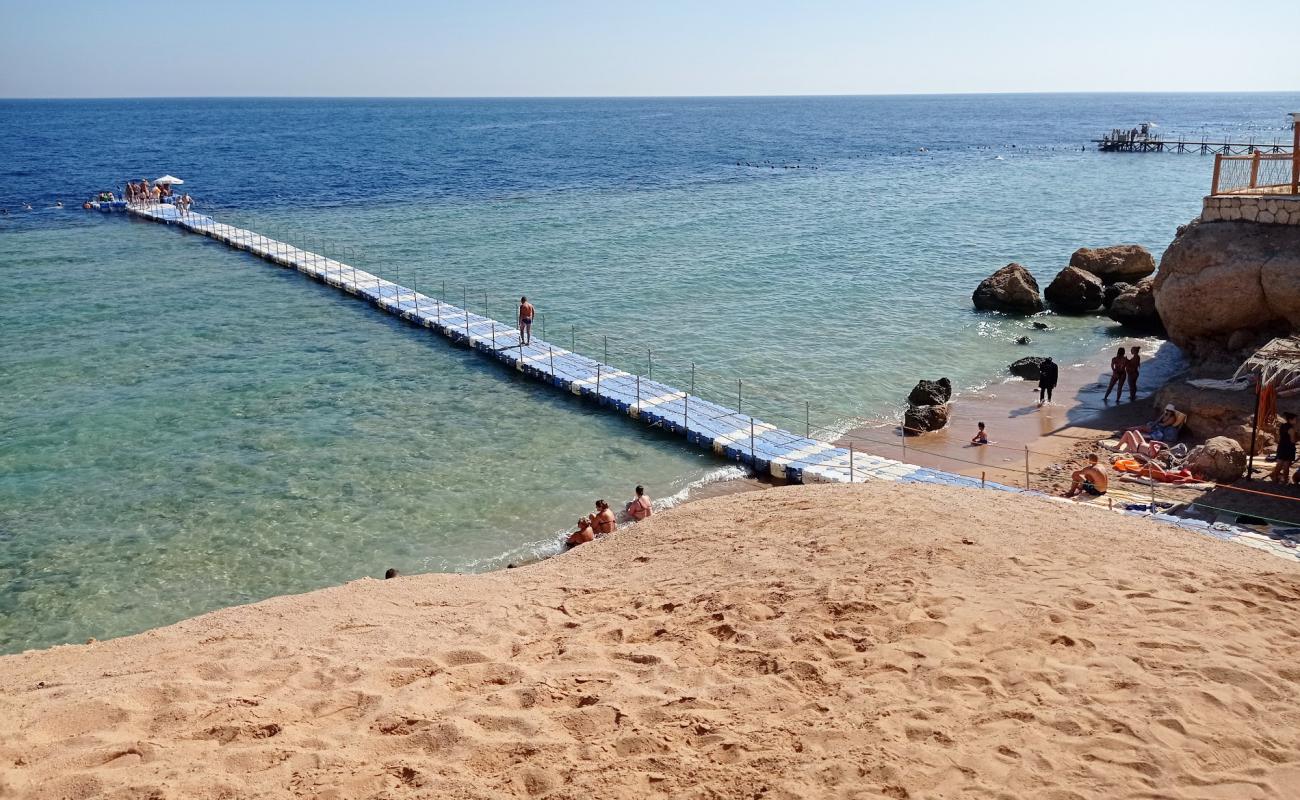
{"x":1225,"y":287}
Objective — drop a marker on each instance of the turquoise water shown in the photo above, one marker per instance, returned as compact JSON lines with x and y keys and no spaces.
{"x":185,"y":427}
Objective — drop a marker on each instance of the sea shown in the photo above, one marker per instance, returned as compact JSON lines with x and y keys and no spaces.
{"x":184,"y":427}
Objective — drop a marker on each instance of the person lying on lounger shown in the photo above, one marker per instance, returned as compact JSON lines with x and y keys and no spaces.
{"x":1090,"y":480}
{"x":1166,"y":428}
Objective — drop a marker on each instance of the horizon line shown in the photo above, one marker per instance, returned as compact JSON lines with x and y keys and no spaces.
{"x":650,"y":96}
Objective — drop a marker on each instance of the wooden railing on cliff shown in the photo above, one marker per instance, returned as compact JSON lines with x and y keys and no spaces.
{"x":1259,"y":172}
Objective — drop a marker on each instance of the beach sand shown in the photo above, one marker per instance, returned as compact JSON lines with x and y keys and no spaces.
{"x":874,"y":641}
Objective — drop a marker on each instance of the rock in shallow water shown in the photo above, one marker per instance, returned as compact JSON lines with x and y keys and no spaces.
{"x":1011,"y":290}
{"x":925,"y":418}
{"x":930,"y":393}
{"x":1027,"y":368}
{"x":1136,"y":308}
{"x":1075,"y":291}
{"x":1122,"y":262}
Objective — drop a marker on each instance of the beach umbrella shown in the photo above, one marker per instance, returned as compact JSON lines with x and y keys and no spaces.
{"x":170,"y":180}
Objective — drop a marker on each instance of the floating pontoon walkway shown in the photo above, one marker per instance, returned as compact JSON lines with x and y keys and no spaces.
{"x":727,"y":432}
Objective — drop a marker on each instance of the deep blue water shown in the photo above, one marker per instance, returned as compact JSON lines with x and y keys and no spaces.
{"x":184,"y":427}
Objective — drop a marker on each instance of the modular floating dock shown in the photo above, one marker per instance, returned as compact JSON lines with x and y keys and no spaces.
{"x":729,"y":433}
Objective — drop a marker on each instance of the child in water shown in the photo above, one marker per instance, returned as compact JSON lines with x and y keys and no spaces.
{"x":981,"y":436}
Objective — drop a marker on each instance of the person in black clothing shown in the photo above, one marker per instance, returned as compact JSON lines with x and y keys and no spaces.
{"x":1047,"y":377}
{"x":1286,"y":437}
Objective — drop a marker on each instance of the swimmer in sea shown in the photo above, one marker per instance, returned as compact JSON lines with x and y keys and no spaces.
{"x":981,"y":436}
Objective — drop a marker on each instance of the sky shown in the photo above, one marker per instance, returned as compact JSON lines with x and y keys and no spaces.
{"x":563,"y":48}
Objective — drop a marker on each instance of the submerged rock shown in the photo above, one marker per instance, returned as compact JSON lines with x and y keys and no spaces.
{"x":1011,"y":290}
{"x":1027,"y":368}
{"x":1023,"y":340}
{"x":1122,"y":262}
{"x":1075,"y":291}
{"x":1136,"y":308}
{"x":1042,"y":326}
{"x":1220,"y":459}
{"x":930,"y":393}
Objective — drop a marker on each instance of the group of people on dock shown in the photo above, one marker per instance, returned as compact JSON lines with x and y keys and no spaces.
{"x":144,"y":192}
{"x":603,"y":522}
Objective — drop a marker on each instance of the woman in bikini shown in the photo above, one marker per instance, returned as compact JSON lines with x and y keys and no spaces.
{"x":1118,"y":372}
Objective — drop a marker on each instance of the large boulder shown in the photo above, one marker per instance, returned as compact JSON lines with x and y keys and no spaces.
{"x":931,"y":393}
{"x":1074,"y":291}
{"x":1221,"y":460}
{"x":925,"y":418}
{"x":1011,"y":290}
{"x":1136,"y":308}
{"x":1123,"y":262}
{"x":1218,"y":279}
{"x":1027,"y":368}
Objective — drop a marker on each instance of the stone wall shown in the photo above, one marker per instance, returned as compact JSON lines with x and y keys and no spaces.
{"x":1263,"y":208}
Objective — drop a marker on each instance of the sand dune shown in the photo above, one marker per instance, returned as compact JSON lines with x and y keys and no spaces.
{"x":840,"y":641}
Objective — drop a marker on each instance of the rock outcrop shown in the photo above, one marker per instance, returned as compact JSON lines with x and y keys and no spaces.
{"x":1074,"y":291}
{"x":930,"y":393}
{"x":924,"y":418}
{"x":1135,"y":308}
{"x":1011,"y":290}
{"x":1220,"y":459}
{"x":1123,"y":262}
{"x":1027,"y":368}
{"x":1220,"y":280}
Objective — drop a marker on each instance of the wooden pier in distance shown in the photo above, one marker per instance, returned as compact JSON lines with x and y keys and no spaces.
{"x":1136,"y":141}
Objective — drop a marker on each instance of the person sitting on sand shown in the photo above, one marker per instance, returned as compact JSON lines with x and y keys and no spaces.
{"x":1091,"y":479}
{"x":981,"y":436}
{"x":603,"y":520}
{"x":1166,"y":427}
{"x":582,"y":535}
{"x":638,"y":508}
{"x":1286,"y":439}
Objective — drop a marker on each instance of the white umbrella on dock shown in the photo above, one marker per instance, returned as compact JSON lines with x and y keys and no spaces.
{"x":170,"y":180}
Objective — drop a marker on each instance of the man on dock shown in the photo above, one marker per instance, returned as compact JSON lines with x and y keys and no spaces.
{"x":526,"y":312}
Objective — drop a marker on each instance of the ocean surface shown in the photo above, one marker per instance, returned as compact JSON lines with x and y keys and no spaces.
{"x":184,"y":427}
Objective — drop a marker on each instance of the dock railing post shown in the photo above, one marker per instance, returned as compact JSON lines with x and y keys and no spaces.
{"x":638,"y":395}
{"x":738,"y":393}
{"x":807,"y":420}
{"x":606,"y":357}
{"x":753,"y":460}
{"x":552,"y":351}
{"x":573,"y":338}
{"x":598,"y":366}
{"x":649,"y":366}
{"x":543,"y":326}
{"x":1295,"y":154}
{"x":686,"y":413}
{"x":494,"y":335}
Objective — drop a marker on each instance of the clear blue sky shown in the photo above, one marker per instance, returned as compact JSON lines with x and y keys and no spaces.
{"x":126,"y":48}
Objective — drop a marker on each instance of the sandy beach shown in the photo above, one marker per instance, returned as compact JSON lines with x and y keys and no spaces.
{"x":838,"y":641}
